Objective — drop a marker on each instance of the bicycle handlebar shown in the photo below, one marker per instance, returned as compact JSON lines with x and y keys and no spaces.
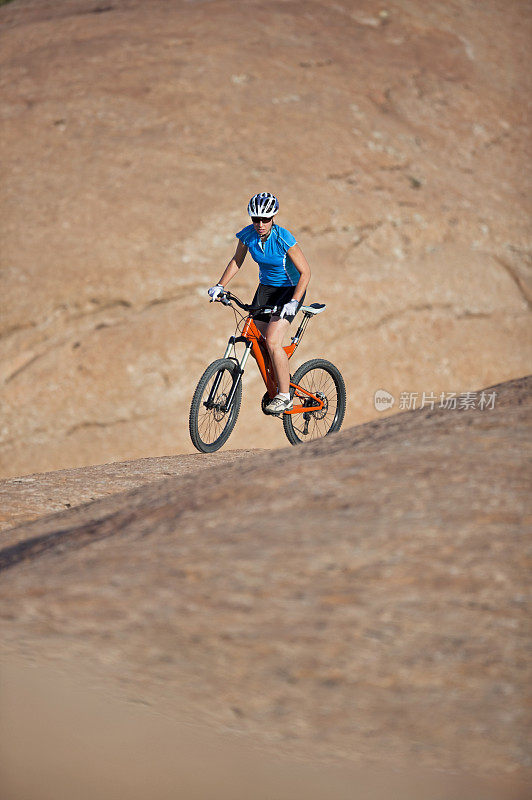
{"x":227,"y":298}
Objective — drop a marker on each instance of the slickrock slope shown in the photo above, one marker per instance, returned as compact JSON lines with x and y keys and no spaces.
{"x":132,"y":136}
{"x":361,"y":598}
{"x":31,"y":496}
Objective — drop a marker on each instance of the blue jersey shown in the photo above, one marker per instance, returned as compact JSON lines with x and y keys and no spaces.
{"x":276,"y":268}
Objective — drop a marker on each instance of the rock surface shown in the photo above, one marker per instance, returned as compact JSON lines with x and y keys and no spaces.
{"x":24,"y":499}
{"x":132,"y":137}
{"x":362,"y":598}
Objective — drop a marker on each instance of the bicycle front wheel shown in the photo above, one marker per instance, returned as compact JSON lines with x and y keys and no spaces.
{"x":323,"y":380}
{"x":211,"y":421}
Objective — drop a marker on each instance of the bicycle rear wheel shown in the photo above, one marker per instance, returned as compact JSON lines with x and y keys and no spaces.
{"x":324,"y":380}
{"x":210,"y":422}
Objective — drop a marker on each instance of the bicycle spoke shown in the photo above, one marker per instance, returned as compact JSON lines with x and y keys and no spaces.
{"x":210,"y":426}
{"x":322,"y":380}
{"x":320,"y":383}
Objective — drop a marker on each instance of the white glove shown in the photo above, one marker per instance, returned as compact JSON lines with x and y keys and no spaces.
{"x":289,"y":309}
{"x":214,"y":291}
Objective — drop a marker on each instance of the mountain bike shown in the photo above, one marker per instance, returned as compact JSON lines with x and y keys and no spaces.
{"x":317,"y":387}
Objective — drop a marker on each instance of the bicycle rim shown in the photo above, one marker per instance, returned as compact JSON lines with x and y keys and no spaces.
{"x":324,"y":380}
{"x":210,"y":424}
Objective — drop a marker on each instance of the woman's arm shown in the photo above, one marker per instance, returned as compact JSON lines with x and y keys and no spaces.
{"x":301,"y":264}
{"x":234,"y":265}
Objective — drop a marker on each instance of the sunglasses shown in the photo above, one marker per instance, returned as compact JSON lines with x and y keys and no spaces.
{"x":256,"y":220}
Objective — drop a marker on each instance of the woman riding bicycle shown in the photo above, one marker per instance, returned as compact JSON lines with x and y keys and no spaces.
{"x":284,"y":275}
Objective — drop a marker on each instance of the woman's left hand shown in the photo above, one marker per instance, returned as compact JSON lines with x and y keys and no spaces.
{"x":289,"y":309}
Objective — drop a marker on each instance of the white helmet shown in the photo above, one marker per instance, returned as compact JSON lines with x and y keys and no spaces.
{"x":263,"y":205}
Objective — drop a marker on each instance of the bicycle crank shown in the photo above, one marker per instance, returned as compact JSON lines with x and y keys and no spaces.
{"x":264,"y":402}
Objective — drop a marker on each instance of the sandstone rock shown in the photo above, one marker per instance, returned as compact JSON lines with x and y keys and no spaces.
{"x":32,"y":496}
{"x":361,"y":598}
{"x":131,"y":141}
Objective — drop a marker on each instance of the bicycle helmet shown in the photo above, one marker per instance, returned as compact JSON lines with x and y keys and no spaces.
{"x":264,"y":204}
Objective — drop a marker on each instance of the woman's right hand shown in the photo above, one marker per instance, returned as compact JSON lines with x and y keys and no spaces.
{"x":214,"y":291}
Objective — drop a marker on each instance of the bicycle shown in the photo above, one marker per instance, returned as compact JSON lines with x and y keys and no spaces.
{"x":317,"y":387}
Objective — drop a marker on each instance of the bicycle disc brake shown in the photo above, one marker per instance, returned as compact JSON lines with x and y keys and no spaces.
{"x":323,"y":411}
{"x":219,"y":407}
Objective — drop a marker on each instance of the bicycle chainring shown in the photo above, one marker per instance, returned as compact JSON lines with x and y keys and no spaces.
{"x":264,"y":402}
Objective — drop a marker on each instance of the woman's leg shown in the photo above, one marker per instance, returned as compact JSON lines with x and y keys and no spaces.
{"x":274,"y":333}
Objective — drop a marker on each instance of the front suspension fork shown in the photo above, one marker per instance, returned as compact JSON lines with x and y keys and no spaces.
{"x":238,"y":378}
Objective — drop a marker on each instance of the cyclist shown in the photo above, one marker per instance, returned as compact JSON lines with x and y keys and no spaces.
{"x":284,"y":275}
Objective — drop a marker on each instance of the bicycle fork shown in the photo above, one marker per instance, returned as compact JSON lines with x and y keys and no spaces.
{"x":210,"y":402}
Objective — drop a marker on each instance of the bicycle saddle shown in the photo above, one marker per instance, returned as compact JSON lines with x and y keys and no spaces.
{"x":315,"y":308}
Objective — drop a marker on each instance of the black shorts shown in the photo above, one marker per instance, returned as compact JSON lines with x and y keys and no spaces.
{"x":275,"y":296}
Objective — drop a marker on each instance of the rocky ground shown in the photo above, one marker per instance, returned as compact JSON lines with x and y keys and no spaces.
{"x":24,"y":499}
{"x":361,"y":600}
{"x":132,"y":135}
{"x":358,"y":603}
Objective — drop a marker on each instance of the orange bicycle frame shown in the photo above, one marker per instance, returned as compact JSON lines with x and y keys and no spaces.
{"x":252,"y":336}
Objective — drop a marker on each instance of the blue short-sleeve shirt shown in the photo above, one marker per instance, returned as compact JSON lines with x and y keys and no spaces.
{"x":276,"y":268}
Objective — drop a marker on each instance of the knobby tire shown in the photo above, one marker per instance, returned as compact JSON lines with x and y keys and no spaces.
{"x":211,"y":428}
{"x":317,"y":376}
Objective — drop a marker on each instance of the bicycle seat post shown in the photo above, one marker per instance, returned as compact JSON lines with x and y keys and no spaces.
{"x":301,"y":329}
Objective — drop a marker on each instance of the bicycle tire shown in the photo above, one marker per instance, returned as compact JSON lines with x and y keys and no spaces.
{"x":317,"y":376}
{"x":210,"y":428}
